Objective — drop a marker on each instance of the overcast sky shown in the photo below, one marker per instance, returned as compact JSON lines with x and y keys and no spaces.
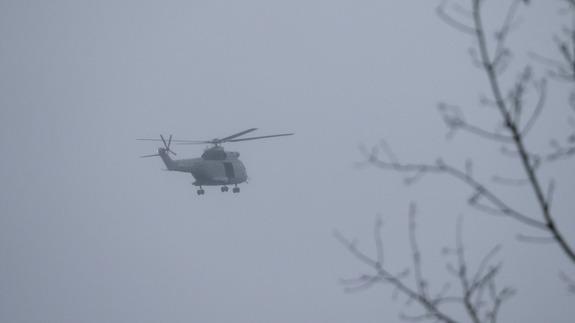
{"x":91,"y":233}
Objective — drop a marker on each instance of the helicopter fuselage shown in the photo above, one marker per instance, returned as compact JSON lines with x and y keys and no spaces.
{"x":215,"y":167}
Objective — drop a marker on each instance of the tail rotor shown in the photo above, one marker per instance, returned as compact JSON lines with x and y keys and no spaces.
{"x":166,"y":147}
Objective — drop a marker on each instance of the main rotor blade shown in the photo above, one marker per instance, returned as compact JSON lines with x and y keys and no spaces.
{"x":192,"y":141}
{"x":146,"y":156}
{"x":183,"y":142}
{"x":146,"y":139}
{"x":261,"y":137}
{"x":179,"y":141}
{"x":235,"y":135}
{"x":213,"y":141}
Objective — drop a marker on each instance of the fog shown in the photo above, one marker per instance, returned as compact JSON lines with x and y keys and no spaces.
{"x":89,"y":232}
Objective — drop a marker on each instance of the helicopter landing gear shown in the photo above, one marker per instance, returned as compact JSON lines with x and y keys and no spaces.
{"x":200,"y":191}
{"x":236,"y":189}
{"x":224,"y":189}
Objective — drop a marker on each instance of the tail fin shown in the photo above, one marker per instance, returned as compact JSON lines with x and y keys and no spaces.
{"x":168,"y":161}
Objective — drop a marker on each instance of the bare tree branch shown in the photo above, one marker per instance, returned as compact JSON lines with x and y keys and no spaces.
{"x":510,"y":115}
{"x":377,"y":237}
{"x":448,"y":19}
{"x":569,"y":281}
{"x":480,"y":190}
{"x":515,"y":132}
{"x":542,"y":89}
{"x":564,"y":69}
{"x":416,"y":254}
{"x":462,"y":274}
{"x":534,"y":239}
{"x":474,"y":287}
{"x":510,"y":181}
{"x":561,"y":153}
{"x":382,"y":274}
{"x":454,"y":120}
{"x":479,"y":296}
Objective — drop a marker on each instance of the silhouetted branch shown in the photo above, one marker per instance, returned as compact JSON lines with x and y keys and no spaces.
{"x":454,"y":119}
{"x":534,"y":239}
{"x":498,"y":298}
{"x":485,"y":261}
{"x":474,"y":287}
{"x":416,"y":254}
{"x":462,"y":275}
{"x":516,"y":133}
{"x":510,"y":181}
{"x":562,"y":69}
{"x":510,"y":111}
{"x":569,"y":281}
{"x":502,"y":53}
{"x":479,"y":297}
{"x":361,"y":283}
{"x":351,"y":246}
{"x":377,"y":237}
{"x":480,"y":190}
{"x":542,"y":90}
{"x":550,"y":62}
{"x":534,"y":159}
{"x":561,"y":153}
{"x":396,"y":280}
{"x":448,"y":19}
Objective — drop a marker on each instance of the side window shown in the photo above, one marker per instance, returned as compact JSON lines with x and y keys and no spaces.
{"x":229,"y":168}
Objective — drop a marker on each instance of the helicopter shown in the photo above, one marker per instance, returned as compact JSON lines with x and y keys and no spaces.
{"x":216,"y":166}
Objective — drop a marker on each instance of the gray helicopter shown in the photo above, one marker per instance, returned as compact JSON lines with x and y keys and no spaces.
{"x":216,"y":167}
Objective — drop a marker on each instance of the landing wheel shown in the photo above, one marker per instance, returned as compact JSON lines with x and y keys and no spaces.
{"x":224,"y":188}
{"x":200,"y":191}
{"x":236,"y":190}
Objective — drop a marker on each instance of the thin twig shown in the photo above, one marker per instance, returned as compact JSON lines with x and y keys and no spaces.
{"x":448,"y":19}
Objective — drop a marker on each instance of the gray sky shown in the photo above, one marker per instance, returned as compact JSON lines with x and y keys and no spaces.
{"x":91,"y":233}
